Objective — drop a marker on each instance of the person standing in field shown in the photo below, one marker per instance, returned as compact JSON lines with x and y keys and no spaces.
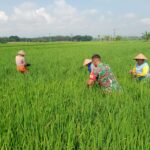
{"x":21,"y":63}
{"x":88,"y":63}
{"x":103,"y":75}
{"x":141,"y":70}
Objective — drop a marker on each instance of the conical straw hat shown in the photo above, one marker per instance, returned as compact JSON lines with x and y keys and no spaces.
{"x":21,"y":52}
{"x":140,"y":56}
{"x":86,"y":62}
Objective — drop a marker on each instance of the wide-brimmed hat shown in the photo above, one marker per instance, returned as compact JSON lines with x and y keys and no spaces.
{"x":140,"y":56}
{"x":21,"y":52}
{"x":86,"y":62}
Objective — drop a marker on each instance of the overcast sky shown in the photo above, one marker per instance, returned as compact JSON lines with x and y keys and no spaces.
{"x":30,"y":18}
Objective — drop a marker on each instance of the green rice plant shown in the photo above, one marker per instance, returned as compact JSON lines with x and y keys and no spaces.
{"x":51,"y":107}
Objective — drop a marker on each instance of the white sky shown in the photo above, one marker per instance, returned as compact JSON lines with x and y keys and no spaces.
{"x":32,"y":18}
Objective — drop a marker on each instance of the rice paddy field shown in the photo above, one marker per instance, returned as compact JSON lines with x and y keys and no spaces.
{"x":52,"y":108}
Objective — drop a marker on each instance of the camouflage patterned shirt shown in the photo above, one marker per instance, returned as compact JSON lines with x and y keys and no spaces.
{"x":105,"y":77}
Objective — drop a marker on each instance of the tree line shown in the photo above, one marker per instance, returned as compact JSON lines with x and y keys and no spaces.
{"x":145,"y":36}
{"x":77,"y":38}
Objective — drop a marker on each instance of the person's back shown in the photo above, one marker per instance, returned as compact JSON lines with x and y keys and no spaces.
{"x":105,"y":77}
{"x":20,"y":61}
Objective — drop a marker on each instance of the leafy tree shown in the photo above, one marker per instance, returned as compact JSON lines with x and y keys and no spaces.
{"x":14,"y":39}
{"x":3,"y":40}
{"x":146,"y":36}
{"x":82,"y":38}
{"x":118,"y":38}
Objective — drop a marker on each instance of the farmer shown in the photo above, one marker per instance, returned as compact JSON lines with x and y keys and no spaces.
{"x":21,"y":63}
{"x":103,"y":75}
{"x":88,"y":63}
{"x":141,"y":69}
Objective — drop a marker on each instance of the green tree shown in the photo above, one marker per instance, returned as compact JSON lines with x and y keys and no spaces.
{"x":146,"y":36}
{"x":3,"y":40}
{"x":118,"y":38}
{"x":14,"y":39}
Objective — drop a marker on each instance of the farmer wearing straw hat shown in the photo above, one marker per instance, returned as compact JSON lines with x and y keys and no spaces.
{"x":21,"y":63}
{"x":88,"y":63}
{"x":102,"y":74}
{"x":141,"y":69}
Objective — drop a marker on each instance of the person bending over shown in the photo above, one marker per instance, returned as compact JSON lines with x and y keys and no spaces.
{"x":103,"y":75}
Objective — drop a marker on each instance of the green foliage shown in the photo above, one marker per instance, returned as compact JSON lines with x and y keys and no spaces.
{"x":3,"y":40}
{"x":14,"y":39}
{"x":82,"y":38}
{"x":9,"y":39}
{"x":107,"y":38}
{"x":51,"y":107}
{"x":146,"y":36}
{"x":118,"y":38}
{"x":47,"y":39}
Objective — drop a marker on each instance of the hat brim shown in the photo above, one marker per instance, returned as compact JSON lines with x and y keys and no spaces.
{"x":22,"y":54}
{"x":87,"y":62}
{"x":140,"y":59}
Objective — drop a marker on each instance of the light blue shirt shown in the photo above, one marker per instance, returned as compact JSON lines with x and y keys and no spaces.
{"x":139,"y":69}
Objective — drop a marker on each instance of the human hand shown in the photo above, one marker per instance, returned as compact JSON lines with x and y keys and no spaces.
{"x":130,"y":72}
{"x":90,"y":83}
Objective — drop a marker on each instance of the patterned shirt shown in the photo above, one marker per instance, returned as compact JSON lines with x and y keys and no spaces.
{"x":105,"y":78}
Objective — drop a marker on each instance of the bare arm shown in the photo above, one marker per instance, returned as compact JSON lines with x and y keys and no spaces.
{"x":91,"y":80}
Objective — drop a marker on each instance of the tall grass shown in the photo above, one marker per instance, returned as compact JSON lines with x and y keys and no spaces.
{"x":51,"y":107}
